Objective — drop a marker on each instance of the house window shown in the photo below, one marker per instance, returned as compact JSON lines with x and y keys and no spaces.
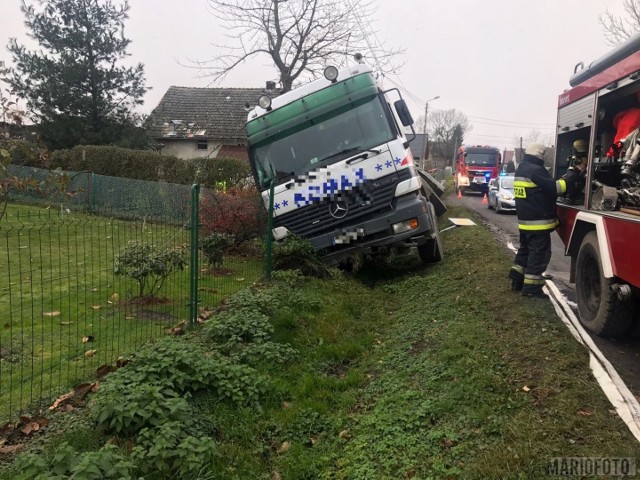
{"x":202,"y":144}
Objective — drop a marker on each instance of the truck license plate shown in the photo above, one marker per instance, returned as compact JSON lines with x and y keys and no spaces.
{"x":348,"y":237}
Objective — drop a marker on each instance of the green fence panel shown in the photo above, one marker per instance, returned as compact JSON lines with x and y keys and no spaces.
{"x":66,"y":312}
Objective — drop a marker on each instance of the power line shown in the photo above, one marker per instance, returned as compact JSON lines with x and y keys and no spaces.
{"x":365,"y":34}
{"x":496,"y":122}
{"x":469,"y":134}
{"x":512,"y":124}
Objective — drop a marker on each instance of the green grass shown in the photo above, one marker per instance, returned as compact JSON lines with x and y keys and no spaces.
{"x":57,"y":286}
{"x":408,"y":371}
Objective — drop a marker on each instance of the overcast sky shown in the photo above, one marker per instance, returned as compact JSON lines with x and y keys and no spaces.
{"x":503,"y":63}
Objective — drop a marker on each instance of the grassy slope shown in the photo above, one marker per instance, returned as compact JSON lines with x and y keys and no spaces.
{"x":434,"y":362}
{"x":451,"y":400}
{"x":415,"y":372}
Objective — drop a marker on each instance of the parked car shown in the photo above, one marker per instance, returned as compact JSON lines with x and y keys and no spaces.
{"x":501,"y":197}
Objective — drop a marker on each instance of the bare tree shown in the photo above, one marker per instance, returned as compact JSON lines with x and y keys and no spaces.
{"x":534,"y":136}
{"x":618,"y":29}
{"x":447,"y":130}
{"x":299,"y":36}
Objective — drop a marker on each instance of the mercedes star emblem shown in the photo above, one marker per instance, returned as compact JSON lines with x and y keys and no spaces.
{"x":338,"y":209}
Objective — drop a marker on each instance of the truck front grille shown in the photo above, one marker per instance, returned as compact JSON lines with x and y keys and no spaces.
{"x":366,"y":199}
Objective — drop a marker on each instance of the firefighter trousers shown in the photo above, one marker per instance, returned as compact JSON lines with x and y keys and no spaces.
{"x":531,"y":261}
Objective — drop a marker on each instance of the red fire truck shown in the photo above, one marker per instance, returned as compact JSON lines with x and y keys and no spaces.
{"x":601,"y":229}
{"x":476,"y":165}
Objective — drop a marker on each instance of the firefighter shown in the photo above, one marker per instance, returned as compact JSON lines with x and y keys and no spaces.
{"x":576,"y":175}
{"x":535,"y":192}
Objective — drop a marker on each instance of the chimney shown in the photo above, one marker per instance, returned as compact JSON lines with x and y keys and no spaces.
{"x":271,"y":86}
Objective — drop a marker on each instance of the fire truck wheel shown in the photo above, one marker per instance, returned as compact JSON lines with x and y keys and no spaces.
{"x":601,"y":311}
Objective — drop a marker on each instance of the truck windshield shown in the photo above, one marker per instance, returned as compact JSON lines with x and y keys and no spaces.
{"x":318,"y":142}
{"x":481,"y":159}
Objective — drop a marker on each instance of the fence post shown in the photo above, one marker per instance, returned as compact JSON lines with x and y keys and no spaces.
{"x":269,"y":234}
{"x":193,"y":263}
{"x":92,"y":199}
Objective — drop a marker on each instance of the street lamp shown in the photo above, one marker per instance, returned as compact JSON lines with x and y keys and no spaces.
{"x":424,"y":131}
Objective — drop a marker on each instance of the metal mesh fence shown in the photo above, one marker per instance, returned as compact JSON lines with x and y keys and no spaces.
{"x":82,"y":276}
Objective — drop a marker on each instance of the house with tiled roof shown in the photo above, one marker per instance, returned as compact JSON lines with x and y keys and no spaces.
{"x":204,"y":122}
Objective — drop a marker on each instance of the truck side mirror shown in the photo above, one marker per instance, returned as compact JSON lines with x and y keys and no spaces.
{"x":403,"y":112}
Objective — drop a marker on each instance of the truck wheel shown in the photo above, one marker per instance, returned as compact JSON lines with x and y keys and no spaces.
{"x":431,"y":251}
{"x":601,"y":311}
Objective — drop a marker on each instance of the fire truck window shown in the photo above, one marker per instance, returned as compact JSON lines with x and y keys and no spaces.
{"x":480,"y":159}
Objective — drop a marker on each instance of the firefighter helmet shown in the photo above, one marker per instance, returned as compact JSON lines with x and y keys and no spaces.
{"x":580,"y":147}
{"x":537,"y":150}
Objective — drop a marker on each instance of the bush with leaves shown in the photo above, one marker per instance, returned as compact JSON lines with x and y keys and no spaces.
{"x":214,"y":247}
{"x":243,"y":331}
{"x":124,"y":408}
{"x":152,"y":389}
{"x":65,"y":462}
{"x":296,"y":253}
{"x":238,"y":212}
{"x":184,"y":366}
{"x":149,"y":265}
{"x":168,"y":451}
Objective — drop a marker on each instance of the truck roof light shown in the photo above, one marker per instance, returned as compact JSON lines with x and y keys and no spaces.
{"x":331,"y":73}
{"x":265,"y":102}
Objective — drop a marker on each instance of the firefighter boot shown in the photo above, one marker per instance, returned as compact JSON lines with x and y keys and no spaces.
{"x":516,"y":275}
{"x":535,"y":294}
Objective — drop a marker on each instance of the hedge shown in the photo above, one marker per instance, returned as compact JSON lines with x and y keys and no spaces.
{"x":148,"y":165}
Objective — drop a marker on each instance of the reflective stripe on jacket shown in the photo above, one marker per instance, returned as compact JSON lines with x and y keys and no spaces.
{"x":535,"y":192}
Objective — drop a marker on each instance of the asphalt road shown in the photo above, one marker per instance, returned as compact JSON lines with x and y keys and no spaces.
{"x":624,"y":354}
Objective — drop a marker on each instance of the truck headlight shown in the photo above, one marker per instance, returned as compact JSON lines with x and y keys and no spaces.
{"x":331,"y":73}
{"x":265,"y":102}
{"x":405,"y":226}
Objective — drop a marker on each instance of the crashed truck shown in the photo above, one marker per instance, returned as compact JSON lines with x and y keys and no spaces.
{"x":332,"y":163}
{"x":601,"y":231}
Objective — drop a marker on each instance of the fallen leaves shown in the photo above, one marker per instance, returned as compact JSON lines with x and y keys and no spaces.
{"x":34,"y":424}
{"x":179,"y":329}
{"x":104,"y":370}
{"x":51,"y":314}
{"x":76,"y":394}
{"x":90,"y":353}
{"x":447,"y":443}
{"x":284,"y":447}
{"x":12,"y":434}
{"x":88,"y":338}
{"x":205,"y":314}
{"x":9,"y":449}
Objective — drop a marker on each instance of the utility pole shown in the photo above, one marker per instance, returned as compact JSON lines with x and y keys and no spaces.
{"x":425,"y":151}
